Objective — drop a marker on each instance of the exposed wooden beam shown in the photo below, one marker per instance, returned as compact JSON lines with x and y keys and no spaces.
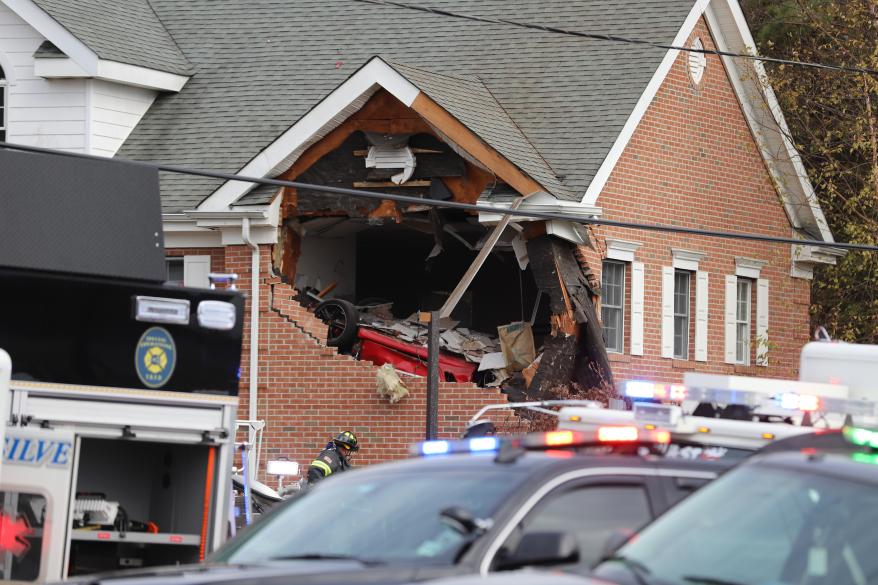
{"x":471,"y":272}
{"x":452,"y":128}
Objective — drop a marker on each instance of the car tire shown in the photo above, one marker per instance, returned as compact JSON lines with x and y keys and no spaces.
{"x":341,"y":318}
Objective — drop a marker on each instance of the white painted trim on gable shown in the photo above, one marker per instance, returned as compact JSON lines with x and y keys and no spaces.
{"x":58,"y":68}
{"x":139,"y":76}
{"x":603,"y":173}
{"x":622,"y":250}
{"x":111,"y":71}
{"x":777,"y":141}
{"x":748,"y":267}
{"x":53,"y":31}
{"x":375,"y":72}
{"x":687,"y":259}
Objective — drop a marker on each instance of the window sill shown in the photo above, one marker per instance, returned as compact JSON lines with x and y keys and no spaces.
{"x":620,"y":358}
{"x":751,"y":369}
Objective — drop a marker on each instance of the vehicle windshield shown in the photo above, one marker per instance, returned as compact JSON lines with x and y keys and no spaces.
{"x":761,"y":525}
{"x":385,"y":518}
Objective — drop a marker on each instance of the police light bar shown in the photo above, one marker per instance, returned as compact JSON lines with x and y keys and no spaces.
{"x":474,"y":445}
{"x":604,"y":435}
{"x":752,"y":392}
{"x":861,"y":437}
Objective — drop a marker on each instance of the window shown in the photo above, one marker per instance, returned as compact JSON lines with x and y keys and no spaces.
{"x":174,"y":271}
{"x":592,"y":513}
{"x":23,"y":517}
{"x":682,"y":280}
{"x":742,"y":322}
{"x":2,"y":105}
{"x":613,"y":305}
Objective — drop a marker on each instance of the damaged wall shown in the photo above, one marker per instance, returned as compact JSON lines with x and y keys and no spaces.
{"x":574,"y":359}
{"x":308,"y":392}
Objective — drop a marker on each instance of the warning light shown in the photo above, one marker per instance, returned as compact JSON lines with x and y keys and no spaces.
{"x":617,"y":434}
{"x":13,"y":535}
{"x":176,"y":538}
{"x":559,"y":438}
{"x":662,"y":437}
{"x":104,"y":536}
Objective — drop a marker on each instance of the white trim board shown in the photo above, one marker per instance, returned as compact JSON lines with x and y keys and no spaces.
{"x":359,"y":85}
{"x":646,"y":98}
{"x":111,"y":71}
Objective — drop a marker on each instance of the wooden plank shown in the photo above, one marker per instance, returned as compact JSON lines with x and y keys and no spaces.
{"x":368,"y":184}
{"x":471,"y":272}
{"x":414,"y":150}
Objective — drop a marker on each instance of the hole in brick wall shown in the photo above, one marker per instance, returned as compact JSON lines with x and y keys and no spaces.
{"x":390,"y":271}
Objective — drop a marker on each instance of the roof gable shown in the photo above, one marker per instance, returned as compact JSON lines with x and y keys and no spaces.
{"x":569,"y":97}
{"x":124,"y":31}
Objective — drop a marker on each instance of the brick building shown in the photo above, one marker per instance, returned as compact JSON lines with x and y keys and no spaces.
{"x":354,"y":95}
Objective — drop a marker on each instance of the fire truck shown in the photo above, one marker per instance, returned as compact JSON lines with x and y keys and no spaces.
{"x":117,"y":389}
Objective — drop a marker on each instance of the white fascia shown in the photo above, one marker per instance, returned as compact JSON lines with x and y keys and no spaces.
{"x":54,"y":68}
{"x":759,"y":102}
{"x":52,"y":30}
{"x":139,"y":76}
{"x":646,"y":98}
{"x":181,"y":231}
{"x":374,"y":73}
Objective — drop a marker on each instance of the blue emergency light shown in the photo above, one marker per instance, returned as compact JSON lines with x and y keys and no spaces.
{"x":474,"y":445}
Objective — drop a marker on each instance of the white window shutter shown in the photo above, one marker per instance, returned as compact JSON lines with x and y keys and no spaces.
{"x":196,"y":270}
{"x":701,"y":316}
{"x":667,"y":312}
{"x":637,"y":308}
{"x":761,"y":322}
{"x":730,"y":313}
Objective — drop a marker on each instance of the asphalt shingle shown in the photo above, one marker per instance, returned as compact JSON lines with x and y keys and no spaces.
{"x":126,"y":31}
{"x":262,"y":64}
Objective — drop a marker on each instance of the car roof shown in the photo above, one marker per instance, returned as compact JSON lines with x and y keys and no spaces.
{"x":841,"y":464}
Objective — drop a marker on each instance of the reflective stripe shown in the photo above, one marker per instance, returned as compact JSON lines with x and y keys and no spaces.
{"x":327,"y":470}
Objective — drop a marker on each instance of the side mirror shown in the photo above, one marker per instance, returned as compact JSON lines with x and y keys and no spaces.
{"x":616,"y":540}
{"x":542,"y":548}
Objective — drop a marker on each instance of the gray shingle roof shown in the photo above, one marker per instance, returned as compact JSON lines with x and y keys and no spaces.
{"x":262,"y":64}
{"x":127,"y":31}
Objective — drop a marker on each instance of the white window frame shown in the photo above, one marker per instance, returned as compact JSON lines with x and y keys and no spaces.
{"x":4,"y":91}
{"x":620,"y":307}
{"x":624,"y":251}
{"x":687,"y":316}
{"x":743,"y":358}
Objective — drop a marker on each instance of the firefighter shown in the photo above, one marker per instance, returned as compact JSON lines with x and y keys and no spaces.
{"x":336,"y":457}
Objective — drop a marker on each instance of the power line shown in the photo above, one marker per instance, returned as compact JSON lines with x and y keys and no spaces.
{"x":618,"y":39}
{"x":408,"y":199}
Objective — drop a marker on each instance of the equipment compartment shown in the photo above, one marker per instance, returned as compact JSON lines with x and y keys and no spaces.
{"x":158,"y":483}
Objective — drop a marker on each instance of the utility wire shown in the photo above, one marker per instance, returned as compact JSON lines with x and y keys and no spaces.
{"x":526,"y":214}
{"x":616,"y":38}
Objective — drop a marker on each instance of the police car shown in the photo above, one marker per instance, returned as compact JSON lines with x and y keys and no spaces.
{"x":465,"y":507}
{"x":807,"y":514}
{"x":726,"y":417}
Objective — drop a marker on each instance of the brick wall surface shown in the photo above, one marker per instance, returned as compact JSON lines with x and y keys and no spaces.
{"x":217,"y":255}
{"x":693,"y":162}
{"x":307,"y":392}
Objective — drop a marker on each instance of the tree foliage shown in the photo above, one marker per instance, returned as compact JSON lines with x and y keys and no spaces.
{"x":833,"y":120}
